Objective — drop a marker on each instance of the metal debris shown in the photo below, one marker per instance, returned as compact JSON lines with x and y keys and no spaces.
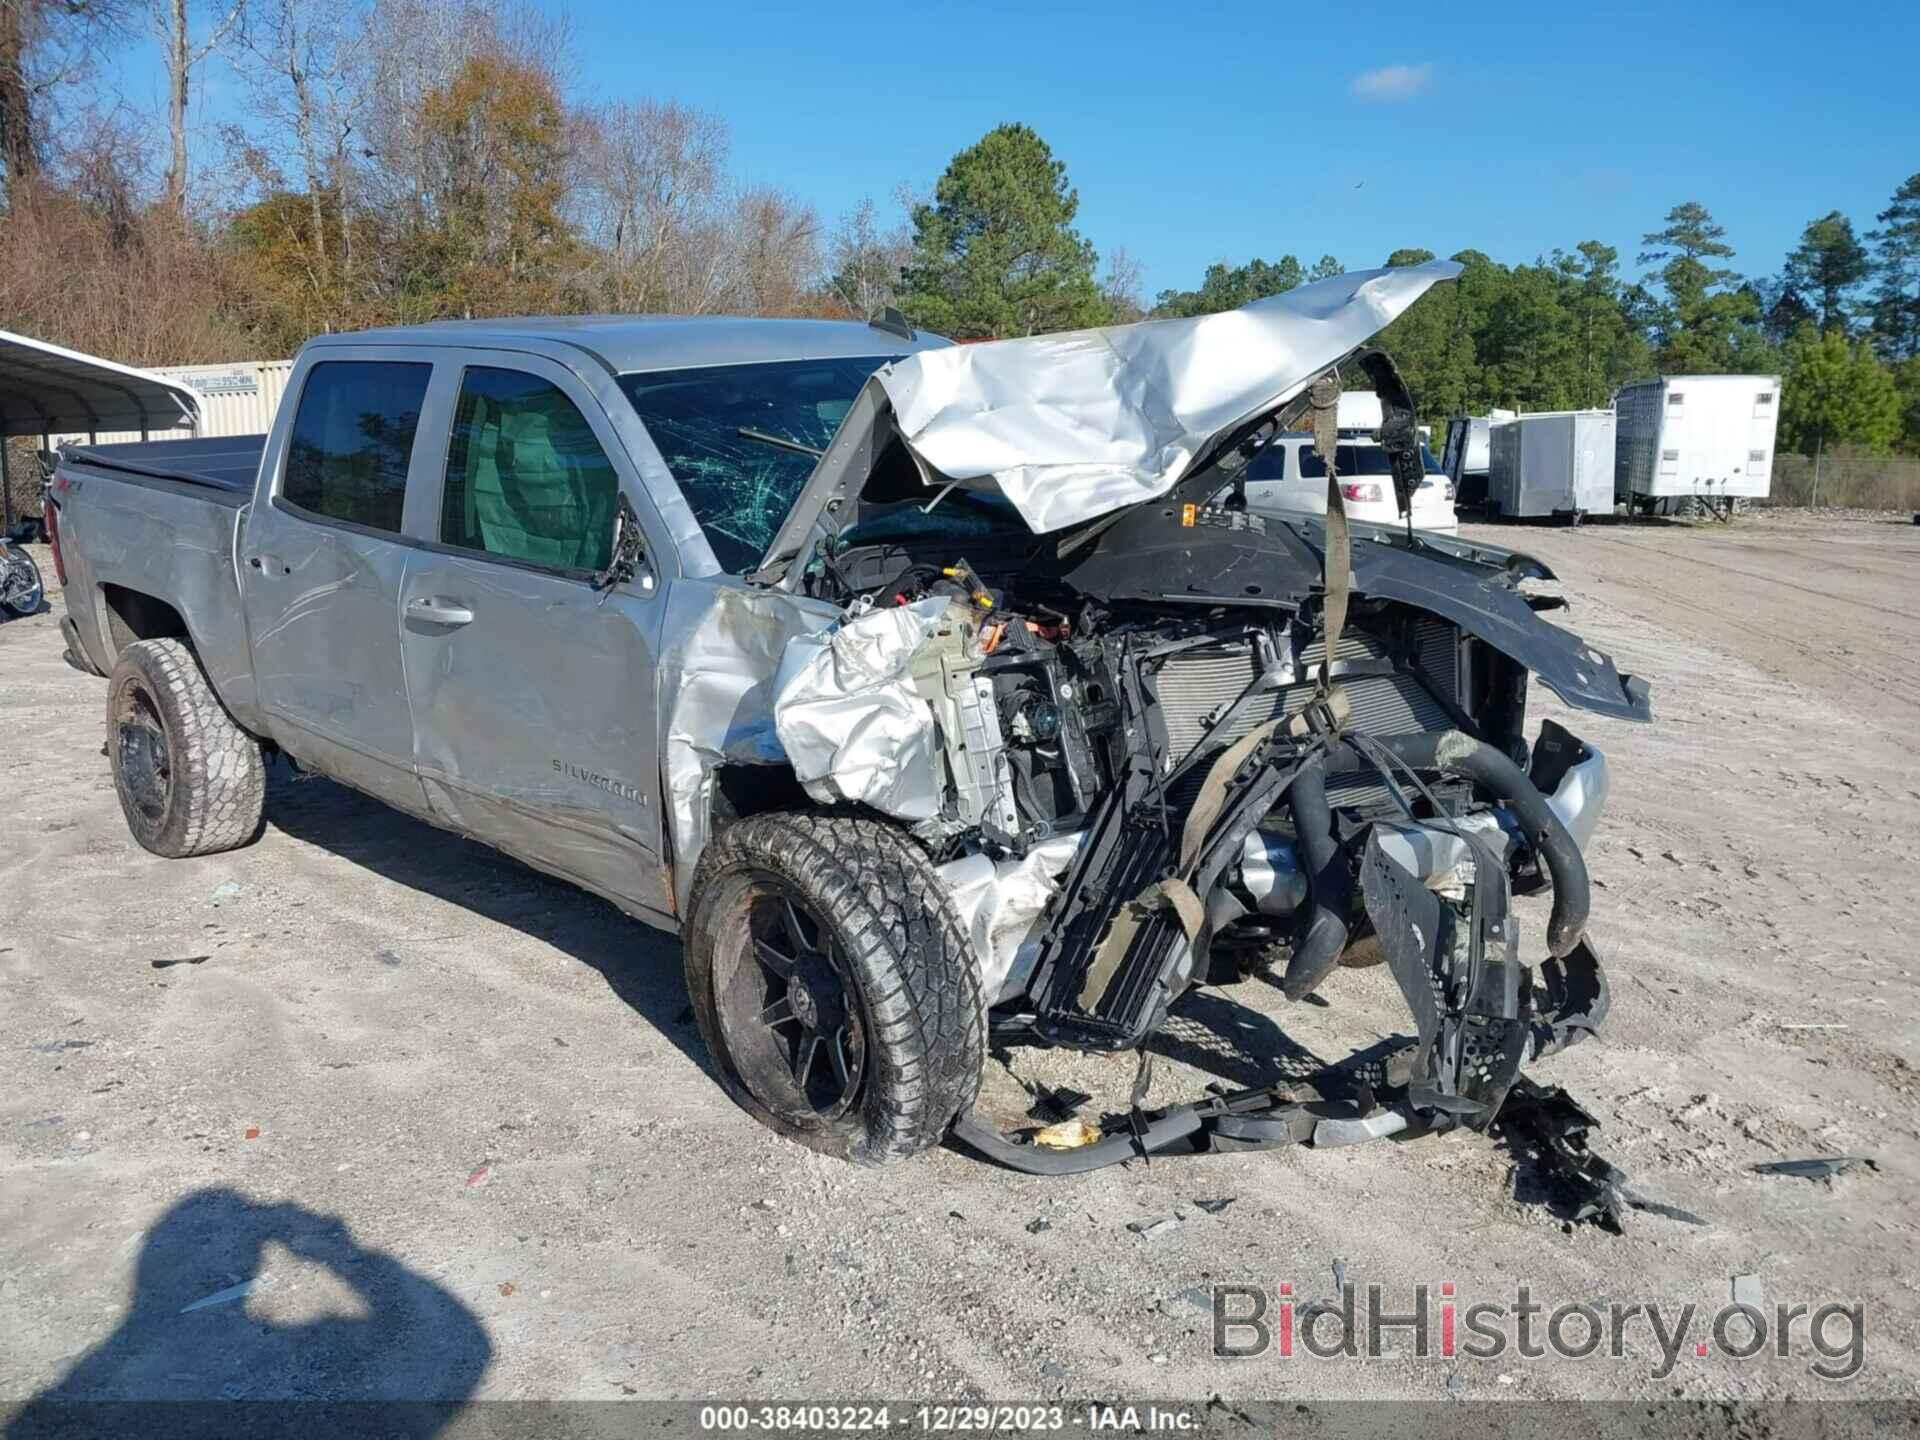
{"x":1819,"y":1167}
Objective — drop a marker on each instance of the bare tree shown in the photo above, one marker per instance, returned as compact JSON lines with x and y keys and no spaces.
{"x":1121,"y":288}
{"x":304,"y":63}
{"x":863,"y":261}
{"x":171,"y":23}
{"x":416,"y":47}
{"x":653,"y":176}
{"x":44,"y":44}
{"x":776,"y":239}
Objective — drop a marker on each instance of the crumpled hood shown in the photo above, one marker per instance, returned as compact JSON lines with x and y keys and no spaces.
{"x":1071,"y":427}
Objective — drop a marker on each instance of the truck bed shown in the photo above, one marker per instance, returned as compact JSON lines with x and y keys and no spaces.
{"x":228,"y":462}
{"x":157,"y":525}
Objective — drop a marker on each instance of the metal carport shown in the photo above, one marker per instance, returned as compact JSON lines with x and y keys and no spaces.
{"x":47,"y":389}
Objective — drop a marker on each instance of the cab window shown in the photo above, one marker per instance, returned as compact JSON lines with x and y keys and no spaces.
{"x":352,"y":439}
{"x":526,"y":479}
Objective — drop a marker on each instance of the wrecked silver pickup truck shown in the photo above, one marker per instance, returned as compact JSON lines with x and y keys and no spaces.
{"x":930,"y":693}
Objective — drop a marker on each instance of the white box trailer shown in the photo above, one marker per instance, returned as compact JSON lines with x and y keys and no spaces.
{"x":1685,"y":439}
{"x":1358,"y":410}
{"x":1556,"y":462}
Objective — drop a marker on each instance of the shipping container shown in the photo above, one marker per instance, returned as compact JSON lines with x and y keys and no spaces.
{"x":1685,"y":439}
{"x":1556,"y":462}
{"x":236,"y":398}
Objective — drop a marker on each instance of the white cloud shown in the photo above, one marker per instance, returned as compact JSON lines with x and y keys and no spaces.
{"x":1393,"y":82}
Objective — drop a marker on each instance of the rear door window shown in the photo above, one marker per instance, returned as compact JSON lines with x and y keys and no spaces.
{"x":352,"y":440}
{"x":526,"y":479}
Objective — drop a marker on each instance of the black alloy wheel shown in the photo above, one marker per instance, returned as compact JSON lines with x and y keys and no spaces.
{"x":794,"y":1020}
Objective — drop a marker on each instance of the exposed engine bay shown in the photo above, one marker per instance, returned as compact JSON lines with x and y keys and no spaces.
{"x":1140,"y":769}
{"x":1136,"y":787}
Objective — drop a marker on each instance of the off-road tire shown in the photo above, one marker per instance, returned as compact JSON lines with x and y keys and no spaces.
{"x":216,"y":781}
{"x":917,"y":979}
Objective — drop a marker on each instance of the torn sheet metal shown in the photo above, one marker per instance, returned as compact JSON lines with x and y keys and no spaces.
{"x":850,"y":717}
{"x":1000,"y":903}
{"x":724,"y":645}
{"x":1070,"y":427}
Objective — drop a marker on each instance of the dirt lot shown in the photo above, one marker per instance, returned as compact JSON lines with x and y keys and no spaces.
{"x":452,"y":1121}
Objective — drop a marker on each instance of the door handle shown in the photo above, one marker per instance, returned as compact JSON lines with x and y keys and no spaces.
{"x":438,"y":612}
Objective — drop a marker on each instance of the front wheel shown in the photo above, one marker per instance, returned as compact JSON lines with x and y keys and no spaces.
{"x":833,"y":986}
{"x":191,"y":782}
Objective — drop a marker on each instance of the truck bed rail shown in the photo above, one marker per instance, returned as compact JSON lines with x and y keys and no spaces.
{"x":228,"y":462}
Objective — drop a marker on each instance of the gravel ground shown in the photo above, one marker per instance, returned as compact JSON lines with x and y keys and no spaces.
{"x":450,"y":1121}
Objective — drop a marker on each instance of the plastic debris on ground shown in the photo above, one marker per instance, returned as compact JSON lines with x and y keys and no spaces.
{"x":1067,"y":1135}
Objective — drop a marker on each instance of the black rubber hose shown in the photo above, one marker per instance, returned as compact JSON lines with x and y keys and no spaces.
{"x":1460,"y":754}
{"x":1323,"y":934}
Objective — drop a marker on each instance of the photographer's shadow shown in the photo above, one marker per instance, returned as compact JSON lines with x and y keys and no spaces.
{"x":189,"y":1335}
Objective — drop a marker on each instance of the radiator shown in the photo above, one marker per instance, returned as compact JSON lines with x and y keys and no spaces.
{"x":1195,"y":685}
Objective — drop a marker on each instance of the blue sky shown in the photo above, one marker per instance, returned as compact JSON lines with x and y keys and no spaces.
{"x":1199,"y":132}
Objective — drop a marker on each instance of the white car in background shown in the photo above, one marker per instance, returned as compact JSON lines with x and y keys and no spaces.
{"x":1289,"y":475}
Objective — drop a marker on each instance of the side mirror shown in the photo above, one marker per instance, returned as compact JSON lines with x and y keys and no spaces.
{"x":628,"y":564}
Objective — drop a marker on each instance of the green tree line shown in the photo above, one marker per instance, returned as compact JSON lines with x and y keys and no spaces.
{"x":1840,"y":323}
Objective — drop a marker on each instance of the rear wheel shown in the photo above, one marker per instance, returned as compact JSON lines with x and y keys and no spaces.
{"x":833,"y":986}
{"x":191,"y":782}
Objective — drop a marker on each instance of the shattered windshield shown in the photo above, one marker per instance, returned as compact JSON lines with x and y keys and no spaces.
{"x":742,"y":485}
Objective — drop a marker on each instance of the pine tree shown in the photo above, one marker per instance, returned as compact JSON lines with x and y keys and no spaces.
{"x":995,"y":254}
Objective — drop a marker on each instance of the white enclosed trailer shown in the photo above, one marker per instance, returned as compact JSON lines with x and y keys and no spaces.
{"x":1684,"y":441}
{"x":1557,"y":462}
{"x":1466,"y":459}
{"x":1358,"y":410}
